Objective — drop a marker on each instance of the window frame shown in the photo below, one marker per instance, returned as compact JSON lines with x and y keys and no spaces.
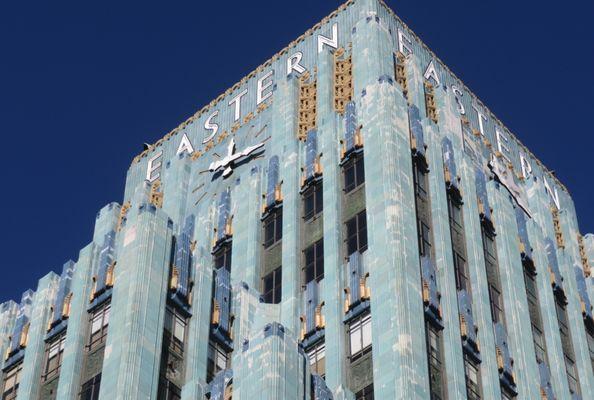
{"x":473,"y":387}
{"x":98,"y":337}
{"x":14,"y":372}
{"x":173,"y":320}
{"x":277,"y":278}
{"x":317,"y":262}
{"x":357,"y":328}
{"x":272,"y":224}
{"x":434,"y":359}
{"x":316,"y":355}
{"x":315,"y":194}
{"x":216,"y":353}
{"x":224,"y":253}
{"x":359,"y":235}
{"x":366,"y":393}
{"x":53,"y":363}
{"x":168,"y":390}
{"x":569,"y":358}
{"x":356,"y":164}
{"x":94,"y":385}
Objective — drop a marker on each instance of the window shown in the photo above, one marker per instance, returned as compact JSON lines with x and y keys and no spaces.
{"x":365,"y":394}
{"x":535,"y":318}
{"x":496,"y":304}
{"x":356,"y":233}
{"x":590,"y":339}
{"x":218,"y":360}
{"x":360,"y":336}
{"x":53,"y":357}
{"x":175,"y":329}
{"x":12,"y":379}
{"x":222,"y":258}
{"x":272,"y":286}
{"x":472,"y":374}
{"x":458,"y":245}
{"x":420,"y":181}
{"x":569,"y":356}
{"x":455,"y":212}
{"x":462,"y":281}
{"x":317,"y":358}
{"x":492,"y":270}
{"x":273,"y":228}
{"x":99,"y":324}
{"x":90,"y":389}
{"x":424,"y":239}
{"x":434,"y":355}
{"x":354,"y":173}
{"x":168,"y":391}
{"x":314,"y":262}
{"x":313,"y":203}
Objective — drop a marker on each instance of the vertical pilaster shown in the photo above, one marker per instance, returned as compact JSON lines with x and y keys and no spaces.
{"x":540,"y":228}
{"x":199,"y":325}
{"x":284,"y":124}
{"x":515,"y":302}
{"x":399,"y":351}
{"x":76,"y":335}
{"x":478,"y":279}
{"x":453,"y":356}
{"x":132,"y":352}
{"x":8,"y":313}
{"x":336,"y":376}
{"x":35,"y":351}
{"x":246,"y":228}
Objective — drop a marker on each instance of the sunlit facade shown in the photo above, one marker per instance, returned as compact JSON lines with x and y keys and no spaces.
{"x":347,"y":222}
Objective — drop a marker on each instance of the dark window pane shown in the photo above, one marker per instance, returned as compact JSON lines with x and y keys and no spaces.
{"x":314,"y":262}
{"x":223,"y":258}
{"x":349,"y":177}
{"x":272,"y":286}
{"x":319,"y":190}
{"x":356,"y":233}
{"x":365,"y":394}
{"x":360,"y":170}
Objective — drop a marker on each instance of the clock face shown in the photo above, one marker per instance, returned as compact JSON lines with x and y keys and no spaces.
{"x":236,"y":155}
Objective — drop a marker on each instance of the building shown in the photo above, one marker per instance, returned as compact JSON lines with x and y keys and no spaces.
{"x":347,"y":222}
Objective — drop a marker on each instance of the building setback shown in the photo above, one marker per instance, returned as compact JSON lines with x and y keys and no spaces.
{"x":347,"y":222}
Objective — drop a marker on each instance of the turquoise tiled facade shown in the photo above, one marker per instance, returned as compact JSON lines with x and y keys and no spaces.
{"x":254,"y":257}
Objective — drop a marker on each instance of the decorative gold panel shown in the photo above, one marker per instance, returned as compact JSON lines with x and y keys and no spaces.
{"x":583,"y":256}
{"x":400,"y":73}
{"x":156,"y":196}
{"x":430,"y":106}
{"x":123,"y":212}
{"x":558,"y":230}
{"x":343,"y":80}
{"x":307,"y":105}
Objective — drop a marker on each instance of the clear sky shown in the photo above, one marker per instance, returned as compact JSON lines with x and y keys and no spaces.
{"x":84,"y":84}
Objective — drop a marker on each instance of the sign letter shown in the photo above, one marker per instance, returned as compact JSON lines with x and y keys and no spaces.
{"x":554,"y":195}
{"x":153,"y":167}
{"x":260,"y":96}
{"x":332,"y":42}
{"x":430,"y":72}
{"x":481,"y":118}
{"x":457,"y":95}
{"x":211,"y":126}
{"x":184,"y":145}
{"x":501,"y":144}
{"x":526,"y":167}
{"x":237,"y":101}
{"x":404,"y":43}
{"x":293,"y":63}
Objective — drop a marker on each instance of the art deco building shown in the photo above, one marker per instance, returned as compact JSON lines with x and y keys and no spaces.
{"x":348,"y":221}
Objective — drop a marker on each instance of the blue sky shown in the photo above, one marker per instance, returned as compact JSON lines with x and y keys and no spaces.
{"x":84,"y":84}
